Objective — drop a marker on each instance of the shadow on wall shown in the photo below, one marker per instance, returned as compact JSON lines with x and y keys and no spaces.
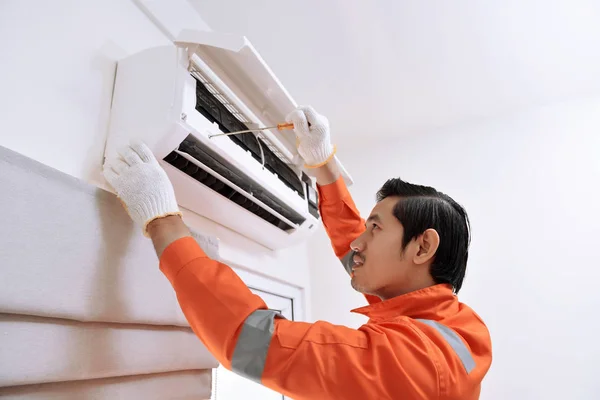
{"x":105,"y":64}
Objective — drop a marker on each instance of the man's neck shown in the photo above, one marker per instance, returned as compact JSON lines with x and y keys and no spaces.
{"x":391,"y":292}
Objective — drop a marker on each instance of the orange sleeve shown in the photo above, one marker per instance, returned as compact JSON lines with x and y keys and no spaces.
{"x":214,"y":300}
{"x":298,"y":359}
{"x":341,"y":219}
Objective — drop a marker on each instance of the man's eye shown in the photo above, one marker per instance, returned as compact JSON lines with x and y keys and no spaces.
{"x":375,"y":226}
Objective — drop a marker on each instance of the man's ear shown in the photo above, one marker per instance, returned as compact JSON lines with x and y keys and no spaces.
{"x":428,"y":244}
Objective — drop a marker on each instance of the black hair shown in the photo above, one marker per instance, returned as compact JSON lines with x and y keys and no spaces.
{"x":422,"y":207}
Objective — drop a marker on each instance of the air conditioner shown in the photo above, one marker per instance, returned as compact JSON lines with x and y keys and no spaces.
{"x":175,"y":97}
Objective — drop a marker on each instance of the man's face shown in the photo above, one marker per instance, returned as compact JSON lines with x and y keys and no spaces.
{"x":381,"y":267}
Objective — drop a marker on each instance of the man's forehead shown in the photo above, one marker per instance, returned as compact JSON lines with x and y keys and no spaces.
{"x":384,"y":209}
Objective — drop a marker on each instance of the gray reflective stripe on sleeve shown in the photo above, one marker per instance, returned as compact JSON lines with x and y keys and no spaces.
{"x":455,"y":342}
{"x":250,"y":353}
{"x":347,"y":261}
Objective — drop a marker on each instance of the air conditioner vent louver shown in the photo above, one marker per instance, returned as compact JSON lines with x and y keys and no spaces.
{"x":204,"y":155}
{"x":216,"y":108}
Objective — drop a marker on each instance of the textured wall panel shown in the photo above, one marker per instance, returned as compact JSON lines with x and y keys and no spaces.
{"x":37,"y":350}
{"x":180,"y":385}
{"x":69,"y":250}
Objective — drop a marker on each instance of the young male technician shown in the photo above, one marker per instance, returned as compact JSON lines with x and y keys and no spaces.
{"x":408,"y":259}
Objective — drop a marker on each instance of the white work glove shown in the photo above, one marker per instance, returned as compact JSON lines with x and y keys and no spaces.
{"x":314,"y":141}
{"x":141,"y":184}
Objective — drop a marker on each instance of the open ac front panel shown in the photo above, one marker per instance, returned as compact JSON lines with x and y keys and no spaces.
{"x":173,"y":100}
{"x":212,"y":109}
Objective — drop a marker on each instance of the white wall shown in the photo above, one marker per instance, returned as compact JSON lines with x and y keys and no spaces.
{"x":530,"y":183}
{"x":57,"y":72}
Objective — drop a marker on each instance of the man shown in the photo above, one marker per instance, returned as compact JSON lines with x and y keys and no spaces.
{"x":408,"y":259}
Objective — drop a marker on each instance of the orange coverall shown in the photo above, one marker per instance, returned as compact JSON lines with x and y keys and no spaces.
{"x":421,"y":345}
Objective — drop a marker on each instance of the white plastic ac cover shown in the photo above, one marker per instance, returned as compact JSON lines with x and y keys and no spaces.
{"x":173,"y":97}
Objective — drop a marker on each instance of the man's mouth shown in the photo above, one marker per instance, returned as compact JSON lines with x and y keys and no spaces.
{"x":358,"y":261}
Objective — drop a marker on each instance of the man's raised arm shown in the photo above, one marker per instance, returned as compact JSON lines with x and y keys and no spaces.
{"x":341,"y":219}
{"x":340,"y":216}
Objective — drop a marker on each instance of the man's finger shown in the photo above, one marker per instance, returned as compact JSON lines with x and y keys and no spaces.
{"x":130,"y":156}
{"x":311,"y":115}
{"x":143,"y":151}
{"x":117,"y":165}
{"x":298,"y":118}
{"x":110,"y":174}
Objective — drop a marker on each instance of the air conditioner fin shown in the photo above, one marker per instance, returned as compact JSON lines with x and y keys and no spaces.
{"x":214,"y":162}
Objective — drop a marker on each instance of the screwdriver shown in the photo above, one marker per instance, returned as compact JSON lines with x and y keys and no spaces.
{"x":281,"y":127}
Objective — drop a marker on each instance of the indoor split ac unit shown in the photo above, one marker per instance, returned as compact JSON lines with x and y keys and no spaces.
{"x":175,"y":97}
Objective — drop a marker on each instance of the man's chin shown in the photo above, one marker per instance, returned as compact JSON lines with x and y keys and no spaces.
{"x":357,"y":286}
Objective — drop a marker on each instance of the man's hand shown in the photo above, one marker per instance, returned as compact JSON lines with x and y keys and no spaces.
{"x":314,"y":139}
{"x":314,"y":143}
{"x":141,"y":184}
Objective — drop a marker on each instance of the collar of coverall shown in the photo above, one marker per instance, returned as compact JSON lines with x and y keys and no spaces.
{"x":433,"y":302}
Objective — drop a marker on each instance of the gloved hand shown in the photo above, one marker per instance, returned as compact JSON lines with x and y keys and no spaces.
{"x":141,"y":184}
{"x":314,"y":141}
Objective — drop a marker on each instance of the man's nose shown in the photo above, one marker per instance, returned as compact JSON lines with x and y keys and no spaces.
{"x":358,"y":245}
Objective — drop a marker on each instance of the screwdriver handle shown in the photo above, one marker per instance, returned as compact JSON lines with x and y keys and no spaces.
{"x":285,"y":126}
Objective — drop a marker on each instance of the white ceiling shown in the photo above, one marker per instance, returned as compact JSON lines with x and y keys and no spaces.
{"x":383,"y":68}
